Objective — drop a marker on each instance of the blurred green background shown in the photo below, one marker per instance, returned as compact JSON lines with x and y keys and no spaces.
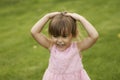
{"x":22,"y":58}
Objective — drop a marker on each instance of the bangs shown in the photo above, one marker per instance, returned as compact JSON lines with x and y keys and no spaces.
{"x":59,"y":29}
{"x":62,"y":25}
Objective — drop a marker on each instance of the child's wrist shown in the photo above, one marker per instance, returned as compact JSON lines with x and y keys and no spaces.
{"x":47,"y":16}
{"x":81,"y":18}
{"x":51,"y":15}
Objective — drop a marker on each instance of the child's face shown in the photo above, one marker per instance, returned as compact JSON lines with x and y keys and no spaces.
{"x":62,"y":42}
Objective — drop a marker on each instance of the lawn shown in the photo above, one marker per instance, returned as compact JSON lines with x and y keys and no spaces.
{"x":22,"y":58}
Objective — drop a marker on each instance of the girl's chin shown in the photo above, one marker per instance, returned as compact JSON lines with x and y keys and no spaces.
{"x":61,"y":48}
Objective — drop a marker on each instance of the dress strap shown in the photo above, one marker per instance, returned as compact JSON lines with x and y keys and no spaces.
{"x":76,"y":48}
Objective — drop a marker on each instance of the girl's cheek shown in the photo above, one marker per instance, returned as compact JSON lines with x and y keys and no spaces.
{"x":54,"y":40}
{"x":66,"y":40}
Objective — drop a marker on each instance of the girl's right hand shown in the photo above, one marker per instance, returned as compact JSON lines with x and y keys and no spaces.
{"x":74,"y":15}
{"x":52,"y":14}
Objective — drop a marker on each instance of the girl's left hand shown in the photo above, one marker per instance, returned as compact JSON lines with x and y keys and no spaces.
{"x":74,"y":15}
{"x":52,"y":14}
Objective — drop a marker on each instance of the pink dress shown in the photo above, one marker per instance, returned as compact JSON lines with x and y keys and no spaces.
{"x":66,"y":65}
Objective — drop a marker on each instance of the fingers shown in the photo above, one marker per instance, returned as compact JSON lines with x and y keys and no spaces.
{"x":73,"y":15}
{"x":51,"y":15}
{"x":64,"y":13}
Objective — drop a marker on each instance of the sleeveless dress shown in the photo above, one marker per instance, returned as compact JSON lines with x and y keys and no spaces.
{"x":66,"y":65}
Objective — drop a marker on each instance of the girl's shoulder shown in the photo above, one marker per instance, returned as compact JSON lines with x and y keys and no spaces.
{"x":75,"y":45}
{"x":50,"y":44}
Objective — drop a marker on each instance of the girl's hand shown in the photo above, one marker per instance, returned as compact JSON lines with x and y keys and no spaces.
{"x":74,"y":15}
{"x":52,"y":14}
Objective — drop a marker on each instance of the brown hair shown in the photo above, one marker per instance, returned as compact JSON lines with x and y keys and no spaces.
{"x":61,"y":25}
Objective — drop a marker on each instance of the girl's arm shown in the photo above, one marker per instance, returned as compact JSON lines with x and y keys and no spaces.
{"x":37,"y":28}
{"x":92,"y":33}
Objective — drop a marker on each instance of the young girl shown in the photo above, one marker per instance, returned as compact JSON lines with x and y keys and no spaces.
{"x":65,"y":61}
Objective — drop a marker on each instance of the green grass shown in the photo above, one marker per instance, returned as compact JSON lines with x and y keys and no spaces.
{"x":19,"y":60}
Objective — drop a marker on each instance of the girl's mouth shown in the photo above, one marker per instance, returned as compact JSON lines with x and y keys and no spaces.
{"x":60,"y":44}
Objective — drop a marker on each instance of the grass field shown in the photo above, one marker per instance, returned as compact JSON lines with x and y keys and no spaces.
{"x":21,"y":57}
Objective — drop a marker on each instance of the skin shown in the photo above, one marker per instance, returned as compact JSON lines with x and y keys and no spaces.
{"x":47,"y":43}
{"x":62,"y":42}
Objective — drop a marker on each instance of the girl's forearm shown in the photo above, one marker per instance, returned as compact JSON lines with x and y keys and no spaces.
{"x":89,"y":27}
{"x":40,"y":24}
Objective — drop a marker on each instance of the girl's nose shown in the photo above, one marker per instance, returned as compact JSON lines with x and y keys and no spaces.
{"x":59,"y":39}
{"x":60,"y":42}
